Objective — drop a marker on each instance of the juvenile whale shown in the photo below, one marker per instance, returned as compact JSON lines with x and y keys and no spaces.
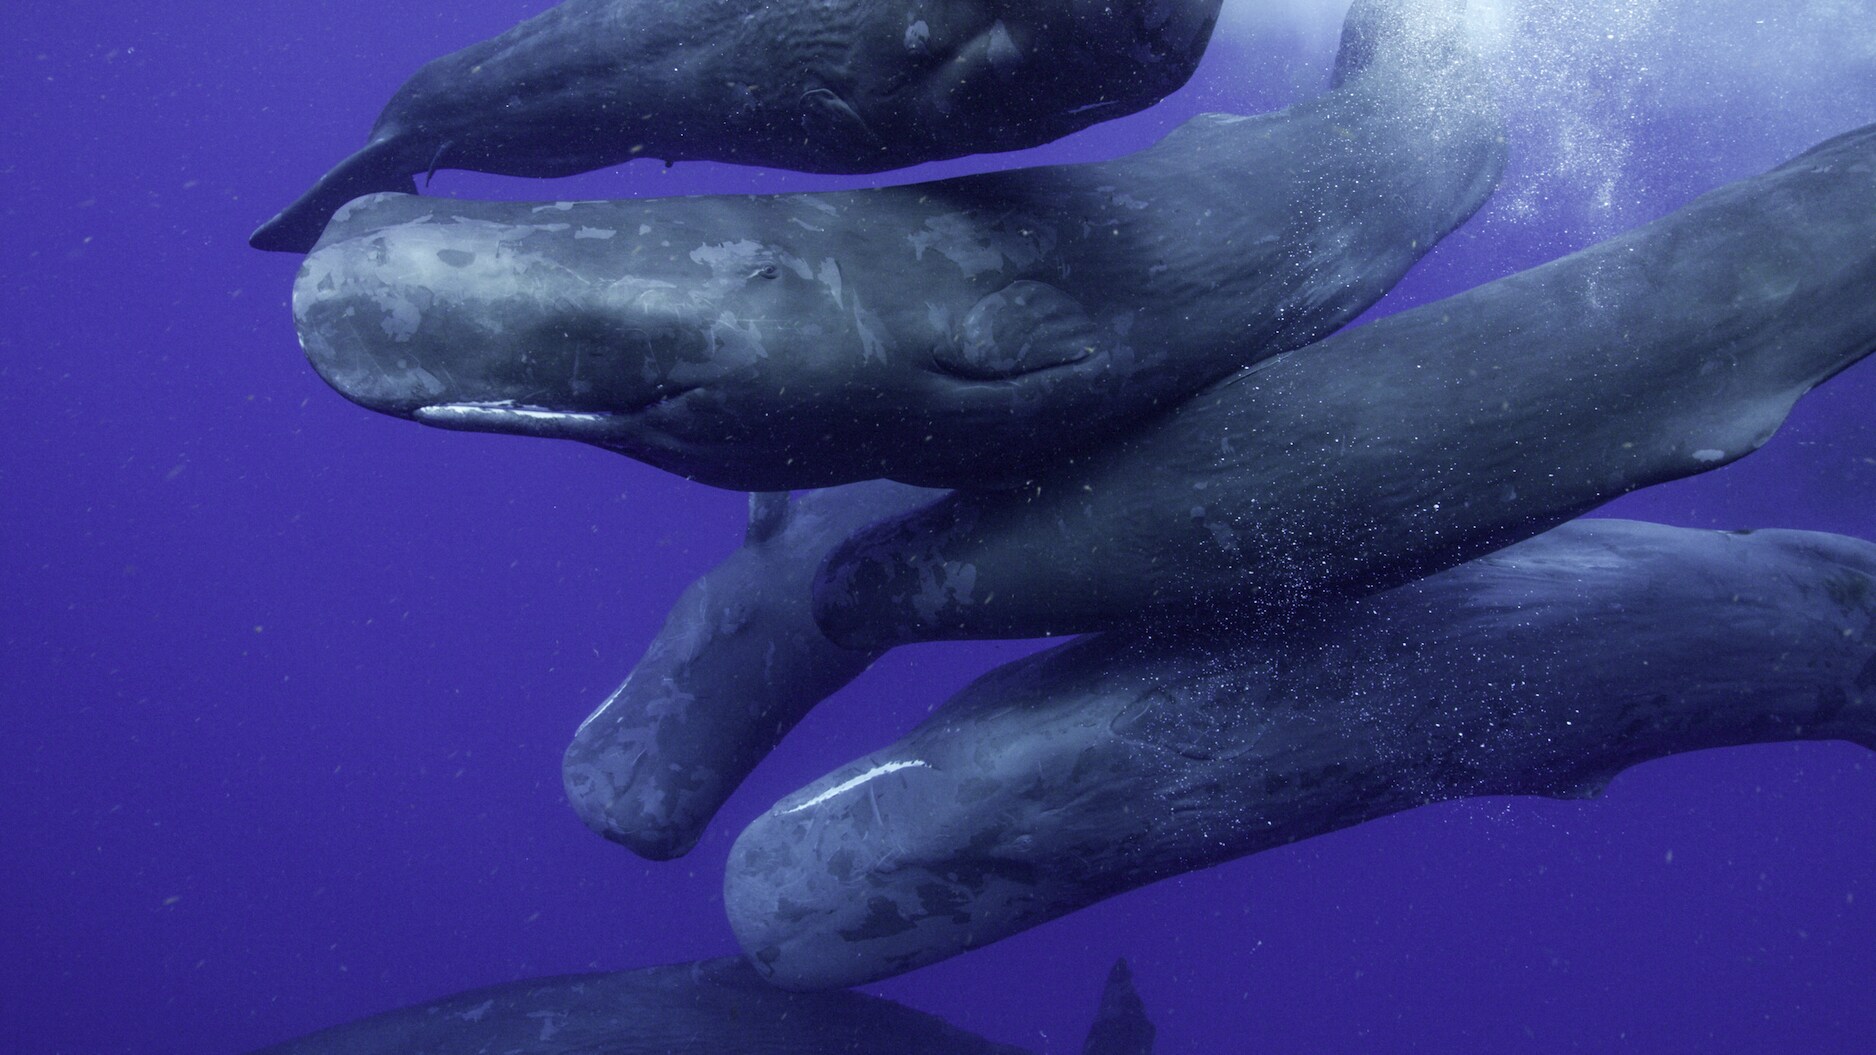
{"x":1117,"y":760}
{"x":738,"y":663}
{"x":1412,"y":444}
{"x":841,"y":86}
{"x":966,"y":332}
{"x":716,"y":1007}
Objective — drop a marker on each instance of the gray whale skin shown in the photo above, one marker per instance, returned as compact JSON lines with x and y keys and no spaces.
{"x":716,"y":1007}
{"x":966,"y":332}
{"x":1117,"y":760}
{"x":1396,"y":449}
{"x":842,"y":86}
{"x":738,"y":662}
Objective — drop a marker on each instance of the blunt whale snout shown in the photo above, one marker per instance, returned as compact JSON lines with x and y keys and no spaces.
{"x":470,"y":326}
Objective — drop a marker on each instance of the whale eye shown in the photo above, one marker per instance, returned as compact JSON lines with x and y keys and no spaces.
{"x":766,"y":271}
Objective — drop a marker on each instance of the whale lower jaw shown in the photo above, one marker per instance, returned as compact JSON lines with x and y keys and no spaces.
{"x":521,"y":419}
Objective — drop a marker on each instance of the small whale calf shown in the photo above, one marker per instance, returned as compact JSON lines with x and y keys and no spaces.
{"x":738,"y":662}
{"x":971,"y":332}
{"x":1396,"y":449}
{"x":1110,"y":762}
{"x":715,"y":1007}
{"x":815,"y":85}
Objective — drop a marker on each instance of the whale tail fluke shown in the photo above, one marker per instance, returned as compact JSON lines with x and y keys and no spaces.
{"x":377,"y":168}
{"x":1407,"y":31}
{"x":1120,"y":1026}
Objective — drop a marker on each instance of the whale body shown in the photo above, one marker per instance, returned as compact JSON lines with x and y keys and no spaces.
{"x":841,"y":86}
{"x":968,"y":332}
{"x":1411,"y":444}
{"x":714,"y":1007}
{"x":1123,"y":758}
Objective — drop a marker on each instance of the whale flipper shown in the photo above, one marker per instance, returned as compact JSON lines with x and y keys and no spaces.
{"x":1024,"y":327}
{"x":768,"y":515}
{"x":829,"y":119}
{"x":375,"y":169}
{"x":1120,"y":1025}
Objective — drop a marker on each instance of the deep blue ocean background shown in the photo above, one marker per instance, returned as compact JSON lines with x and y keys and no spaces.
{"x":285,"y":684}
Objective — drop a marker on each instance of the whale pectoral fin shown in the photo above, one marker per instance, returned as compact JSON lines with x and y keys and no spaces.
{"x":828,"y":118}
{"x":768,"y":515}
{"x":1020,"y":329}
{"x":375,"y":169}
{"x":1121,"y":1026}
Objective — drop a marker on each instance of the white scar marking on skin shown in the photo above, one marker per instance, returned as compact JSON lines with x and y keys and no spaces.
{"x":848,"y":785}
{"x":1709,"y":455}
{"x":475,"y":1013}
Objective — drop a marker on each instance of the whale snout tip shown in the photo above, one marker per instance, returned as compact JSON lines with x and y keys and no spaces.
{"x":621,"y":813}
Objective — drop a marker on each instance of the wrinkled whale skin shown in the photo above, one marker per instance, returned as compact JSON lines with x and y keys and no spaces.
{"x":967,"y":332}
{"x":1411,"y":444}
{"x":738,"y":663}
{"x":843,"y":86}
{"x":716,"y":1007}
{"x":1120,"y":759}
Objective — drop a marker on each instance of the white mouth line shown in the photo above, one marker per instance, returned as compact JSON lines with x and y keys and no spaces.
{"x":848,"y":785}
{"x":497,"y":411}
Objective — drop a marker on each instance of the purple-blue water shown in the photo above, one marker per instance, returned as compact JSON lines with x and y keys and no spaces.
{"x":285,"y":684}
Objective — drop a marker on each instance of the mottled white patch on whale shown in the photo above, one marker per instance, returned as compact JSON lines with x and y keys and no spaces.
{"x":475,"y":1013}
{"x":830,"y":277}
{"x":961,"y":238}
{"x":733,"y":261}
{"x":917,"y":35}
{"x":401,"y":316}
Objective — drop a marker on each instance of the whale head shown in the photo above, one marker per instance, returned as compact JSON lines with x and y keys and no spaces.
{"x":682,"y":352}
